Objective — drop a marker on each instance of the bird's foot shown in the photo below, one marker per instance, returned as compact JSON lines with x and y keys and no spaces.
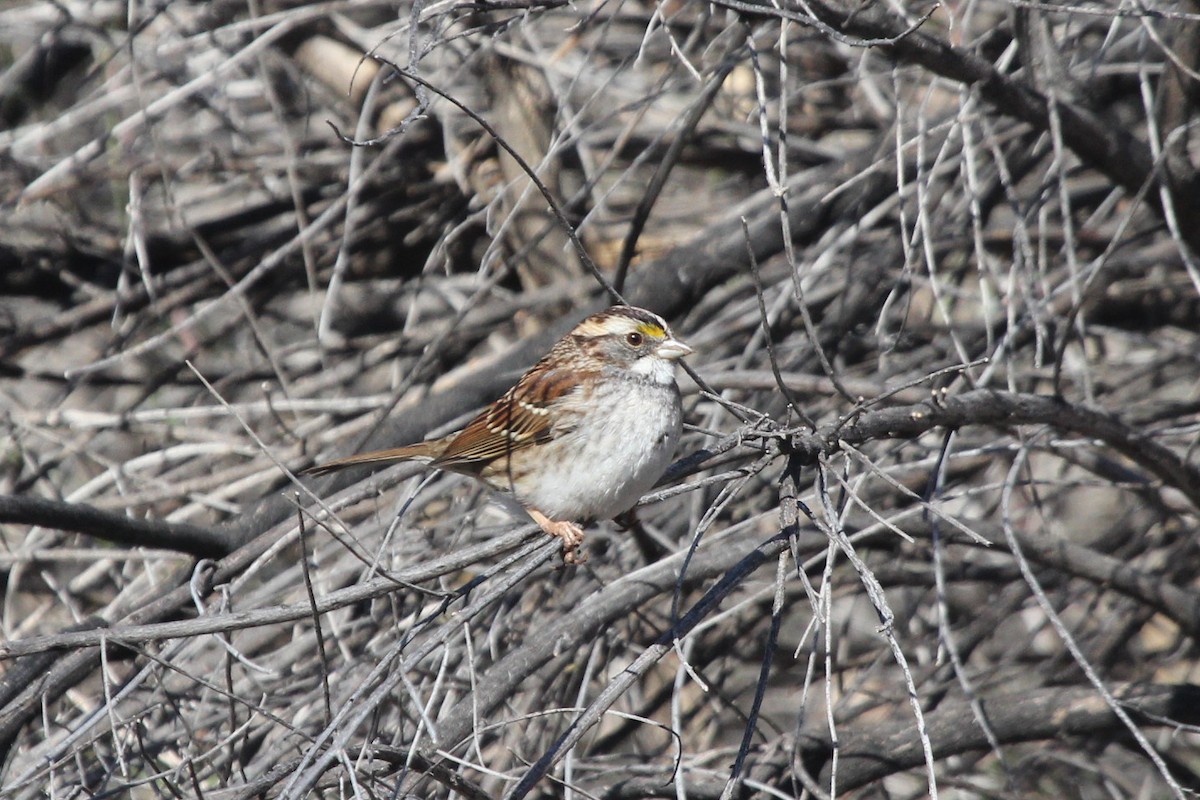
{"x":570,"y":533}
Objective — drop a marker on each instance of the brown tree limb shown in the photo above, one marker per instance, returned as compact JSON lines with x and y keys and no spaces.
{"x":989,"y":407}
{"x":1102,"y":144}
{"x":868,"y":752}
{"x":113,"y":526}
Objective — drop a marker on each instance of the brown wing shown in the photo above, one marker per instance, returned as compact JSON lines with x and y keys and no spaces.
{"x":519,"y":419}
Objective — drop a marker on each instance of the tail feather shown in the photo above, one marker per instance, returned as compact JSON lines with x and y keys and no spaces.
{"x":408,"y":453}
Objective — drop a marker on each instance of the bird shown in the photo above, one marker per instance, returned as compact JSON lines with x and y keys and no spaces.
{"x":587,"y":431}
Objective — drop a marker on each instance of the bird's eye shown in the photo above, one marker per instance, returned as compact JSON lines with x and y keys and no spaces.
{"x":635,"y":339}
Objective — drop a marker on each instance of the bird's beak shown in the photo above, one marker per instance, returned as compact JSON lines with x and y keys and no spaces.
{"x":673,"y":349}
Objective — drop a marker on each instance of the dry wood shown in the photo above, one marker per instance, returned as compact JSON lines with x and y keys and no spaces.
{"x":960,"y":240}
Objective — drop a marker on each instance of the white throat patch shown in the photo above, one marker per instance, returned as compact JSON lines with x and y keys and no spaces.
{"x":658,"y":370}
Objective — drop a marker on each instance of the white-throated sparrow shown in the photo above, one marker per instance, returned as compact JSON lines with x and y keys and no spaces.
{"x":582,"y":435}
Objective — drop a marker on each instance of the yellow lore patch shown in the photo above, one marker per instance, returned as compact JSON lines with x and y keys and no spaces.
{"x":608,"y":325}
{"x":654,"y":331}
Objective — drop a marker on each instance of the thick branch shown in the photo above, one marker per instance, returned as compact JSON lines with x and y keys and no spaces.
{"x":872,"y":751}
{"x":988,"y":407}
{"x":112,"y":526}
{"x":869,"y":752}
{"x":1107,"y":147}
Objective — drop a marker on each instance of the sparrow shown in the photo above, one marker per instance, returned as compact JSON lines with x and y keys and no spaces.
{"x":587,"y":431}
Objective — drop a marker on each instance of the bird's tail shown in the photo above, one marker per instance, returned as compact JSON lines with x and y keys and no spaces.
{"x":412,"y":452}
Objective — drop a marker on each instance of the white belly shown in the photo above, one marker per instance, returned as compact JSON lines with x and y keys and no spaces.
{"x":620,"y":452}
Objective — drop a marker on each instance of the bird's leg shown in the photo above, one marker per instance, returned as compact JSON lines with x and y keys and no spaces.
{"x":570,"y":534}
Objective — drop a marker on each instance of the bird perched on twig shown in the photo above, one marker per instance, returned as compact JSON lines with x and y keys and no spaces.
{"x":588,"y":430}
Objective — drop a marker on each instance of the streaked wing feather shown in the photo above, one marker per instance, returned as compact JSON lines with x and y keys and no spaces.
{"x":520,"y":419}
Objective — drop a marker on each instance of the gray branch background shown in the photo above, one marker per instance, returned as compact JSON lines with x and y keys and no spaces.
{"x":933,"y":524}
